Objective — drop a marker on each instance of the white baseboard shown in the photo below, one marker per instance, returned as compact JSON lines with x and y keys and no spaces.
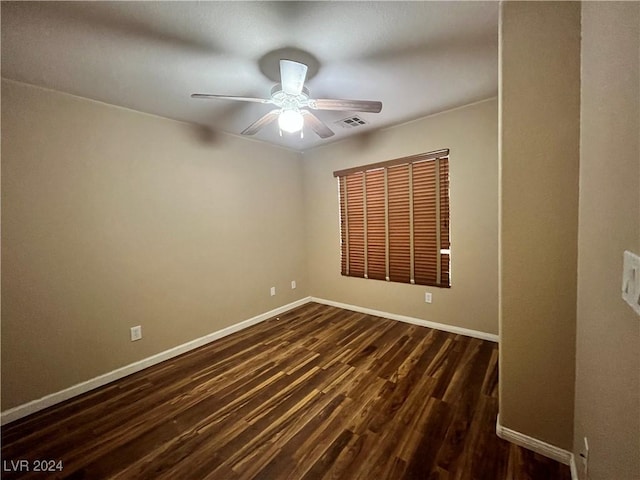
{"x":415,"y":321}
{"x":52,"y":399}
{"x":574,"y":470}
{"x":543,"y":448}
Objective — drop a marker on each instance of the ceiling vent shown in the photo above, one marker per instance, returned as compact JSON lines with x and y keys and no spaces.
{"x":351,"y":122}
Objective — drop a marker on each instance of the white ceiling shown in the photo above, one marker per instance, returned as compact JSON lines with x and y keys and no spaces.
{"x":417,"y":58}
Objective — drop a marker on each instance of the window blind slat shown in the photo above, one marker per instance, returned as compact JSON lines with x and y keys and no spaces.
{"x":344,"y":253}
{"x":376,"y":250}
{"x":399,"y":227}
{"x":445,"y":276}
{"x":355,"y":217}
{"x":424,"y":213}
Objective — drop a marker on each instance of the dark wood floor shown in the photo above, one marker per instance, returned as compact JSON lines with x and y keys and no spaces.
{"x":317,"y":393}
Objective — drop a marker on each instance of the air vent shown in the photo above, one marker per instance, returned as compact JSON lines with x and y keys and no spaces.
{"x":351,"y":122}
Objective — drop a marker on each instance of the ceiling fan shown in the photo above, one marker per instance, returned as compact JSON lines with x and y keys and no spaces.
{"x":292,"y":99}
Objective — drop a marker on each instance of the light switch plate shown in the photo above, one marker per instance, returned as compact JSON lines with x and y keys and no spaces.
{"x":631,"y":280}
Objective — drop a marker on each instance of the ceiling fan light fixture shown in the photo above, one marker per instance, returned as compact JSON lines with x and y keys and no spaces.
{"x":290,"y":121}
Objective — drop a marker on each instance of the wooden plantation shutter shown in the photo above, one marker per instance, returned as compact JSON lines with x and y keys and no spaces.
{"x":394,"y":220}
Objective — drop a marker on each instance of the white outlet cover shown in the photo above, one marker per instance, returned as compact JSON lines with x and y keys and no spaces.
{"x":136,"y":333}
{"x":273,"y":291}
{"x":293,"y":284}
{"x":427,"y":297}
{"x":631,"y":280}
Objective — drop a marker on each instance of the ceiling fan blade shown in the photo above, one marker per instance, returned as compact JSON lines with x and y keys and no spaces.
{"x":292,"y":76}
{"x":227,"y":97}
{"x":346,"y":105}
{"x":316,"y":124}
{"x":261,"y":122}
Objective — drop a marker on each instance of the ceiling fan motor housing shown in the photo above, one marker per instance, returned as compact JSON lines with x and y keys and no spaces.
{"x":287,"y":101}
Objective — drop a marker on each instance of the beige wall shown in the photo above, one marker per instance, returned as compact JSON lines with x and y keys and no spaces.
{"x":607,"y":406}
{"x":539,"y":118}
{"x":113,"y":218}
{"x":471,"y":135}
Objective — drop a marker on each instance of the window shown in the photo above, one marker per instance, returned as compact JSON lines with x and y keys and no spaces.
{"x":394,"y":220}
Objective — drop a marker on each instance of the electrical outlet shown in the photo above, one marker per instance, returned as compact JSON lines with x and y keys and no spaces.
{"x":427,"y":297}
{"x":293,"y":284}
{"x":136,"y":333}
{"x":273,"y":291}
